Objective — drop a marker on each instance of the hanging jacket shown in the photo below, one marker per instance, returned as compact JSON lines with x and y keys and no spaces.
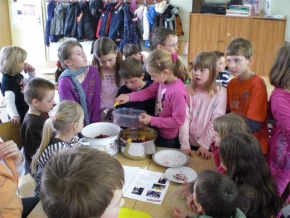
{"x":130,"y":35}
{"x":70,"y":27}
{"x":116,"y":26}
{"x":57,"y":23}
{"x":106,"y":20}
{"x":50,"y":14}
{"x":96,"y":8}
{"x":151,"y":17}
{"x":86,"y":24}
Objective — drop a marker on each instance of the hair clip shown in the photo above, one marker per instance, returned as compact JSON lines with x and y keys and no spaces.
{"x":158,"y":63}
{"x":58,"y":64}
{"x":174,"y":57}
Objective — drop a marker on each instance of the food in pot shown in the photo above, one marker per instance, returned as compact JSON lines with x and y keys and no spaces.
{"x":138,"y":140}
{"x":101,"y":136}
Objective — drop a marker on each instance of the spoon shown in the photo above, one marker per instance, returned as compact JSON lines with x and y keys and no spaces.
{"x":109,"y":110}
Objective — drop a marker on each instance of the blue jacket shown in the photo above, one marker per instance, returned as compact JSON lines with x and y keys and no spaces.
{"x":116,"y":26}
{"x":70,"y":27}
{"x":50,"y":14}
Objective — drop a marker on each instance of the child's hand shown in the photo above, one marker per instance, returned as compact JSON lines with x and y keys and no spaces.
{"x":10,"y":150}
{"x":186,"y":190}
{"x":122,"y":99}
{"x":15,"y":121}
{"x":178,"y":213}
{"x":145,"y":119}
{"x":28,"y":68}
{"x":188,"y":152}
{"x":190,"y":204}
{"x":203,"y":153}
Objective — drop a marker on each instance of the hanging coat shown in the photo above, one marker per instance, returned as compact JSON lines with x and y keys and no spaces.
{"x":86,"y":24}
{"x":130,"y":35}
{"x":106,"y":20}
{"x":70,"y":27}
{"x":57,"y":24}
{"x":116,"y":26}
{"x":50,"y":14}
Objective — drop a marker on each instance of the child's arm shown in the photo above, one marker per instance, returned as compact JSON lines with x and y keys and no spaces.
{"x":217,"y":109}
{"x":145,"y":94}
{"x":9,"y":102}
{"x":258,"y":104}
{"x":184,"y":134}
{"x":29,"y":73}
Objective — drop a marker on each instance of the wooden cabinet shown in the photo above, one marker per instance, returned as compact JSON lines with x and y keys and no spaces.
{"x":5,"y":36}
{"x":209,"y":32}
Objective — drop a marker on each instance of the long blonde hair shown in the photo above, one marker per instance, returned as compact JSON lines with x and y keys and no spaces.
{"x":10,"y":59}
{"x":230,"y":123}
{"x":67,"y":112}
{"x":206,"y":60}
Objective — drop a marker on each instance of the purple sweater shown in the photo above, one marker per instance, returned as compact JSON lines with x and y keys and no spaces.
{"x":169,"y":108}
{"x":92,"y":89}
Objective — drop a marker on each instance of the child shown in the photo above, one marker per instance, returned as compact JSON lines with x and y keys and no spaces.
{"x":131,"y":50}
{"x":39,"y":95}
{"x":108,"y":60}
{"x":278,"y":156}
{"x":247,"y":92}
{"x":224,"y":125}
{"x":79,"y":82}
{"x":11,"y":65}
{"x":89,"y":182}
{"x":67,"y":122}
{"x":11,"y":167}
{"x":169,"y":74}
{"x":207,"y":101}
{"x":214,"y":195}
{"x":223,"y":76}
{"x":132,"y":74}
{"x":242,"y":157}
{"x":164,"y":38}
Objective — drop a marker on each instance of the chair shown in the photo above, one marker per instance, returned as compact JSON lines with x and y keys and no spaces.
{"x":10,"y":132}
{"x":182,"y":47}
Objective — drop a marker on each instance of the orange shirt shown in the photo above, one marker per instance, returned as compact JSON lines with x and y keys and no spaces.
{"x":249,"y":99}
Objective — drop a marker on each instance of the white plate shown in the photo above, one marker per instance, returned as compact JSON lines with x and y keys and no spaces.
{"x":180,"y":174}
{"x":48,"y":71}
{"x":170,"y":158}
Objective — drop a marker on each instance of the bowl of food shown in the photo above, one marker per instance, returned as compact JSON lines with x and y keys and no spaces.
{"x":102,"y":136}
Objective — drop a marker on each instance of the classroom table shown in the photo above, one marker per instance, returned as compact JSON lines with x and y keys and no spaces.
{"x":154,"y":210}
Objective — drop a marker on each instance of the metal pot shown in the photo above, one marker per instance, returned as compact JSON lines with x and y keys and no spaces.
{"x":132,"y":148}
{"x":109,"y":144}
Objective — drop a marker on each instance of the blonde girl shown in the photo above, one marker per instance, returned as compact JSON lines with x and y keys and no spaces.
{"x":278,"y":156}
{"x":169,"y":75}
{"x":67,"y":122}
{"x":207,"y":101}
{"x":79,"y":82}
{"x":12,"y":63}
{"x":223,"y":126}
{"x":107,"y":59}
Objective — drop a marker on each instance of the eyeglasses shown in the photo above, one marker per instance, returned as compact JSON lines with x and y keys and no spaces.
{"x":172,"y":46}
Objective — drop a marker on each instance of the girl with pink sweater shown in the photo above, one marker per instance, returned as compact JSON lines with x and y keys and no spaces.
{"x":206,"y":102}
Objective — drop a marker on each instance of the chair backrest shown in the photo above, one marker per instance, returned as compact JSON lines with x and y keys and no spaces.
{"x":10,"y":132}
{"x":182,"y":47}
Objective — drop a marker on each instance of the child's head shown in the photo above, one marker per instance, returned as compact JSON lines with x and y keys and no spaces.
{"x":71,"y":55}
{"x":160,"y":64}
{"x":68,"y":118}
{"x":132,"y":50}
{"x":215,"y":194}
{"x":82,"y":182}
{"x":132,"y":73}
{"x":164,"y":38}
{"x":239,"y":56}
{"x":12,"y":60}
{"x":39,"y":93}
{"x":106,"y":56}
{"x":241,"y":155}
{"x":227,"y":124}
{"x":204,"y":72}
{"x":220,"y":67}
{"x":280,"y":73}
